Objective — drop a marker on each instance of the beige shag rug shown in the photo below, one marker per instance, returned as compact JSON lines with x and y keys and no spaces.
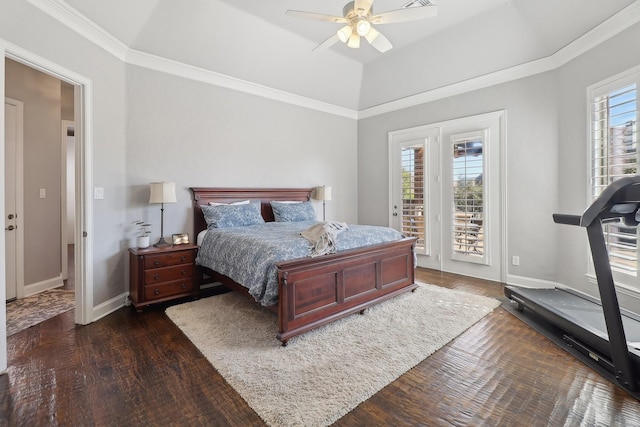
{"x":28,"y":311}
{"x":322,"y":375}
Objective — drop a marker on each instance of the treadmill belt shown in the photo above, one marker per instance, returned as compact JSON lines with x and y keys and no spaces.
{"x":584,"y":313}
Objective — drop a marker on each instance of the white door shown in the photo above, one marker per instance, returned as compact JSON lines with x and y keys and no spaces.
{"x":415,"y":191}
{"x":13,"y":117}
{"x":456,"y":209}
{"x":471,"y":208}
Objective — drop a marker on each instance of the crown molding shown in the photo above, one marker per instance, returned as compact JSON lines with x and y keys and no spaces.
{"x":169,"y":66}
{"x":70,"y":17}
{"x":475,"y":83}
{"x":619,"y":22}
{"x":626,"y":18}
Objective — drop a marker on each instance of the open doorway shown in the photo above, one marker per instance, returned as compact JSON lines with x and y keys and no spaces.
{"x":82,"y":95}
{"x":39,"y":160}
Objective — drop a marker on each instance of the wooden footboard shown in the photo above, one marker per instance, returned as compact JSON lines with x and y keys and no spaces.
{"x":316,"y":291}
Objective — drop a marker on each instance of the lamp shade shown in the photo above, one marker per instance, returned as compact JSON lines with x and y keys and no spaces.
{"x":323,"y":193}
{"x":162,"y":192}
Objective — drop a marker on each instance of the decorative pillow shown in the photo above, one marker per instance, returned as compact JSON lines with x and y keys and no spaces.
{"x":293,"y":212}
{"x":226,"y":216}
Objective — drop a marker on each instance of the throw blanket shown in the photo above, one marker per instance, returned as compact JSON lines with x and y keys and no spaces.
{"x":323,"y":236}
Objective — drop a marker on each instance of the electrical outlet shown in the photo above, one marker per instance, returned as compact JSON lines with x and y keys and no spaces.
{"x":515,"y":260}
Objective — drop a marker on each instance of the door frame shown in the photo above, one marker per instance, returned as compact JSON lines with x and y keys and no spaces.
{"x":19,"y":185}
{"x":83,"y":118}
{"x":416,"y":132}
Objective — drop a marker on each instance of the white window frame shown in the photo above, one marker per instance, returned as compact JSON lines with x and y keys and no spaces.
{"x":599,"y":89}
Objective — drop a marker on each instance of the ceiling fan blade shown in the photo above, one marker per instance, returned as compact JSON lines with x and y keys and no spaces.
{"x":378,"y":41}
{"x":364,"y":5}
{"x":327,"y":43}
{"x":316,"y":16}
{"x":405,"y":15}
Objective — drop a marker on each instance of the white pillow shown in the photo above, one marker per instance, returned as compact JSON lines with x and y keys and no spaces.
{"x":201,"y":237}
{"x":243,"y":202}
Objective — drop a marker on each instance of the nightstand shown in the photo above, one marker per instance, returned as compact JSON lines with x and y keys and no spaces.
{"x":162,"y":274}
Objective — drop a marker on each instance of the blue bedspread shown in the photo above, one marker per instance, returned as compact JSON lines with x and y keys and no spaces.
{"x":249,"y":254}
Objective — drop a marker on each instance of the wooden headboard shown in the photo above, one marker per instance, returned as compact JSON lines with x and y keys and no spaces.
{"x":204,"y":195}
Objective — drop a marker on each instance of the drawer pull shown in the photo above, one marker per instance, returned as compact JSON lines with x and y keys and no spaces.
{"x":183,"y":272}
{"x":183,"y":258}
{"x":156,"y":291}
{"x":156,"y":276}
{"x":156,"y":262}
{"x":183,"y":286}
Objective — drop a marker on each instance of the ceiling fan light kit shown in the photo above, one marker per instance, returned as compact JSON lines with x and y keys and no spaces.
{"x":358,"y":17}
{"x":354,"y":41}
{"x":344,"y":33}
{"x":363,"y":26}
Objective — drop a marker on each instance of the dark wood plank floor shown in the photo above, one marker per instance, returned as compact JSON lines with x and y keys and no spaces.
{"x":139,"y":369}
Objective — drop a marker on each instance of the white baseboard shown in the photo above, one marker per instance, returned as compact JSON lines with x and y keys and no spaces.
{"x":529,"y":282}
{"x":109,"y":306}
{"x":45,"y":285}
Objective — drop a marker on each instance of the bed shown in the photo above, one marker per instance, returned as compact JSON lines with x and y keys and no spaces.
{"x":313,"y":291}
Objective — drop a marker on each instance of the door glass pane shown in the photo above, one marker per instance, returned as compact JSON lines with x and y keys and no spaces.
{"x":468,"y":197}
{"x":413,"y":197}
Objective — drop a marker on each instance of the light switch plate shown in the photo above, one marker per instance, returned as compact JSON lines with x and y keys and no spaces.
{"x":98,"y":193}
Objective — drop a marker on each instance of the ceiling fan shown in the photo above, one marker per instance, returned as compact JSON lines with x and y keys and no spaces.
{"x":359,"y":19}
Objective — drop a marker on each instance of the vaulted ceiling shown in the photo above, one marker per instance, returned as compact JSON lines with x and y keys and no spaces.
{"x":255,"y":41}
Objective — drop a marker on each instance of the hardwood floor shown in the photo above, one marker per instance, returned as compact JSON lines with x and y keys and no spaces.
{"x":139,"y":369}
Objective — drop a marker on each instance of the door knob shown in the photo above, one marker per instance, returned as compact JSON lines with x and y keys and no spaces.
{"x":10,"y":228}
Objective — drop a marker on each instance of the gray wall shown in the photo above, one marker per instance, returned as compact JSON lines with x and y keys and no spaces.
{"x":531,"y":171}
{"x":150,"y":126}
{"x":546,"y":157}
{"x":180,"y":130}
{"x":42,"y":168}
{"x":201,"y":135}
{"x":26,"y":27}
{"x":607,"y":60}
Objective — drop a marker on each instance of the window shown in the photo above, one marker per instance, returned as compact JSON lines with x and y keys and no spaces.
{"x":614,"y":154}
{"x":467,"y":182}
{"x":413,"y":197}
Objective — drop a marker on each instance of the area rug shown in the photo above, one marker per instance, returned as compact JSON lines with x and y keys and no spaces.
{"x":28,"y":311}
{"x":323,"y":374}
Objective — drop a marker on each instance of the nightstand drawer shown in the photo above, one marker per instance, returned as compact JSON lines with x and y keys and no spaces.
{"x":159,"y":274}
{"x":168,"y":289}
{"x":167,"y":259}
{"x":166,"y":274}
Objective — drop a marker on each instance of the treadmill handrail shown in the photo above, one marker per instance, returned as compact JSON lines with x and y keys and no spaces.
{"x":567,"y":219}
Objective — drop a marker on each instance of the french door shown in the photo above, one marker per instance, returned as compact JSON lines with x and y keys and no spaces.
{"x":445,"y":189}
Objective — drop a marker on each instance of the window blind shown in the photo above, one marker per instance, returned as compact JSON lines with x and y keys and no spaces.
{"x":413,"y":197}
{"x":468,"y":197}
{"x":614,"y":154}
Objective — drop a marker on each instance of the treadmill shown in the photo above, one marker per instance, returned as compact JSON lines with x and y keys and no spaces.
{"x":596,"y":331}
